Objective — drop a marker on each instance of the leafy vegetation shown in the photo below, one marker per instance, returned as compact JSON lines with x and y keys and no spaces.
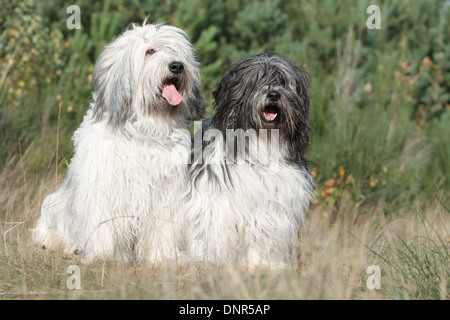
{"x":380,"y":98}
{"x":380,"y":109}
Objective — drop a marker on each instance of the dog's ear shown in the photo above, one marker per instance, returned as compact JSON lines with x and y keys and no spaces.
{"x":114,"y":84}
{"x":302,"y":87}
{"x":195,"y":103}
{"x":299,"y":144}
{"x":226,"y":101}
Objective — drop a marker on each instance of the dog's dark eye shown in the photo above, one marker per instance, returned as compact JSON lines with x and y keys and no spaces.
{"x":150,"y":52}
{"x":281,"y":81}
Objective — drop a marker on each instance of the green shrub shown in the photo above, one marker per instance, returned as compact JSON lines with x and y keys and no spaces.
{"x":380,"y":98}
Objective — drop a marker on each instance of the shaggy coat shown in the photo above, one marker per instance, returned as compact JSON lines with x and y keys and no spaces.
{"x":131,"y":152}
{"x":249,"y":183}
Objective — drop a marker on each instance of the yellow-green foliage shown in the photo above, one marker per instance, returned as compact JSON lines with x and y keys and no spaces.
{"x":380,"y":148}
{"x":380,"y":98}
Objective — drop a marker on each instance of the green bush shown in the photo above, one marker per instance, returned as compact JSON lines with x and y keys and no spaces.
{"x":380,"y":98}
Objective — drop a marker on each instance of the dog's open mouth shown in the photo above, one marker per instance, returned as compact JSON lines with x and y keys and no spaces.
{"x":170,"y":92}
{"x":270,"y":113}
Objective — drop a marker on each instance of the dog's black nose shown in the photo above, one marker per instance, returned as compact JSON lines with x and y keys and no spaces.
{"x":176,"y":67}
{"x":274,"y":95}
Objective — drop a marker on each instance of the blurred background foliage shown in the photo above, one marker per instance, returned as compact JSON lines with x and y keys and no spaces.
{"x":380,"y":98}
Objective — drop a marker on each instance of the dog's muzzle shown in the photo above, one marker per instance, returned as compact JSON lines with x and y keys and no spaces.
{"x":271,"y":110}
{"x":171,"y":86}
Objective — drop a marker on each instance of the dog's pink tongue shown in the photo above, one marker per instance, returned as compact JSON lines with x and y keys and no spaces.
{"x":270,"y":115}
{"x":171,"y":94}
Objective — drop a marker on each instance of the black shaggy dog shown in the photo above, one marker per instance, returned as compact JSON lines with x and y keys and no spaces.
{"x":250,"y":186}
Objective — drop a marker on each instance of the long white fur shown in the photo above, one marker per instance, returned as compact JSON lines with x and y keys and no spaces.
{"x":246,"y":212}
{"x":129,"y":164}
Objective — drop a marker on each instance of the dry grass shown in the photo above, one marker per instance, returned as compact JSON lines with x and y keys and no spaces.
{"x":336,"y":249}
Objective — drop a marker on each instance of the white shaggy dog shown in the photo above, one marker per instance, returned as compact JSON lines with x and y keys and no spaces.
{"x":131,"y":152}
{"x":249,"y":183}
